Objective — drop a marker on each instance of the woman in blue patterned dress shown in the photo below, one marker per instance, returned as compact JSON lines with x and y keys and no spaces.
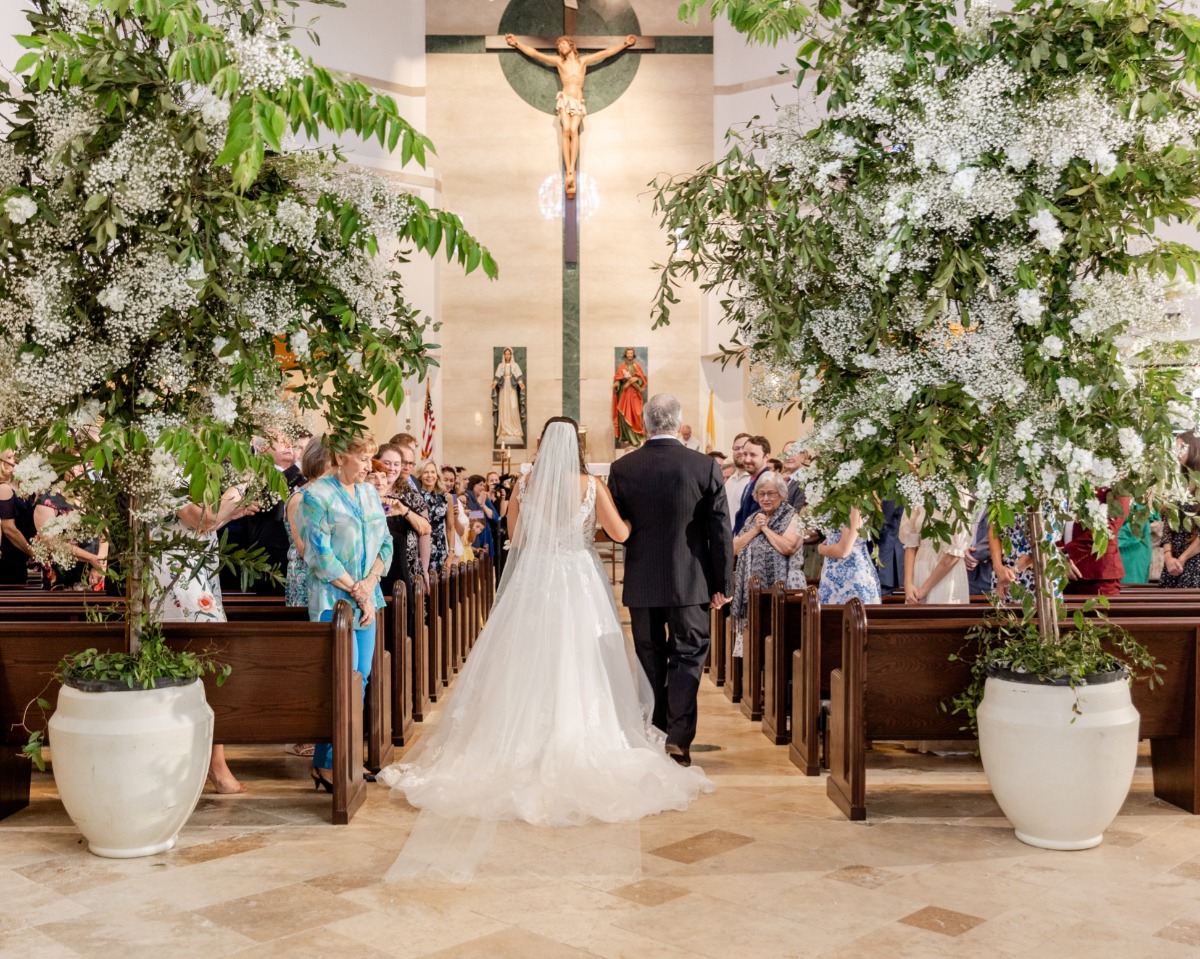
{"x":348,"y":549}
{"x":1012,"y":555}
{"x":434,"y":493}
{"x":848,"y":570}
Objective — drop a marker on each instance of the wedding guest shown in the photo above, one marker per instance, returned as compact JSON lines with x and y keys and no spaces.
{"x":190,"y":590}
{"x":775,"y":466}
{"x":690,"y":441}
{"x":754,"y":462}
{"x":890,"y":550}
{"x":847,"y":570}
{"x":769,"y":548}
{"x":91,"y":554}
{"x":438,"y":505}
{"x":457,"y":512}
{"x":314,"y":463}
{"x":1137,"y":548}
{"x":978,"y":559}
{"x":1012,"y":554}
{"x":1088,"y":574}
{"x":480,"y":507}
{"x":267,"y":528}
{"x":718,"y":456}
{"x":348,"y":549}
{"x":738,"y":479}
{"x":407,"y":521}
{"x":933,"y":570}
{"x":16,"y":526}
{"x":1181,"y":543}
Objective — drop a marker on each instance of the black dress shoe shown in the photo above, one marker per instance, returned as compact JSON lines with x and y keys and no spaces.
{"x":680,"y":754}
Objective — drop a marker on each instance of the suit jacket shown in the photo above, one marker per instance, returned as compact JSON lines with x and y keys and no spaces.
{"x":796,"y":497}
{"x":1079,"y":550}
{"x":979,"y":579}
{"x":680,"y":551}
{"x":749,"y":505}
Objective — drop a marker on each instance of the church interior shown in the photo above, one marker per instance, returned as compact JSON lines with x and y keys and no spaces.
{"x":768,"y":866}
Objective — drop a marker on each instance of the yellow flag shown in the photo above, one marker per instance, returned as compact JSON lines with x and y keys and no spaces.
{"x":711,"y":426}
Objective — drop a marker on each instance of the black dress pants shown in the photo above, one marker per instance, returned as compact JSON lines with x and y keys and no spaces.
{"x":672,"y":644}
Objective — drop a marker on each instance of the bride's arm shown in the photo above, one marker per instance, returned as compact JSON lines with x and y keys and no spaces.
{"x":513,"y":514}
{"x":606,"y":513}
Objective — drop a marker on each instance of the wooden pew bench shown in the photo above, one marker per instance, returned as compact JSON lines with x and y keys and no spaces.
{"x":895,"y":674}
{"x":294,"y":683}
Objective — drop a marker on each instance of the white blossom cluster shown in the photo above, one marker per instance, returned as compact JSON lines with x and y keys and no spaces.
{"x":141,"y":170}
{"x":146,"y":290}
{"x":52,"y":545}
{"x":63,"y":124}
{"x":772,"y":384}
{"x":263,"y":58}
{"x":155,"y":484}
{"x":34,"y":474}
{"x":294,"y":223}
{"x":212,"y":110}
{"x":1146,"y":307}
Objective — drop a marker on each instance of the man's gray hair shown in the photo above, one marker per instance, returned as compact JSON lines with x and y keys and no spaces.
{"x":662,"y":414}
{"x":771,"y":478}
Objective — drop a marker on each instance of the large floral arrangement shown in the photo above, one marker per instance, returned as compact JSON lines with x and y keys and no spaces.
{"x":956,"y":273}
{"x":167,"y":239}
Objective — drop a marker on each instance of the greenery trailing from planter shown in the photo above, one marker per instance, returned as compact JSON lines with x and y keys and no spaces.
{"x":183,"y":267}
{"x":1010,"y":640}
{"x":955,"y":271}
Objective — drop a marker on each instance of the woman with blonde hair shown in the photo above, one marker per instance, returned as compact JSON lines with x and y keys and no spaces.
{"x":347,"y":549}
{"x":433,"y":491}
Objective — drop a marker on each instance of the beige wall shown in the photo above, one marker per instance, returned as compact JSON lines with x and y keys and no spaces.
{"x":494,"y":153}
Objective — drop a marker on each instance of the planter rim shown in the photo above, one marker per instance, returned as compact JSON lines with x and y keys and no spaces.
{"x":121,"y":686}
{"x":1036,"y":679}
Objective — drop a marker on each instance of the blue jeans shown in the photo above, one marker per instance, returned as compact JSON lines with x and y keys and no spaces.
{"x":364,"y":649}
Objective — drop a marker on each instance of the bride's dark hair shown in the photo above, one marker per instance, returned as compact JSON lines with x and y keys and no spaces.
{"x":583,"y":467}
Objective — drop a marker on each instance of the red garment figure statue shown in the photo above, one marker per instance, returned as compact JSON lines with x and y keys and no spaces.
{"x":629,"y":385}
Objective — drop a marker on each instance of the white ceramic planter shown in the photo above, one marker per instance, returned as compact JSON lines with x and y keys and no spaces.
{"x":1060,"y":783}
{"x":130,"y":765}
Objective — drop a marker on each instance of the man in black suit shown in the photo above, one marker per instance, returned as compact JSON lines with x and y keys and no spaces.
{"x":678,"y":564}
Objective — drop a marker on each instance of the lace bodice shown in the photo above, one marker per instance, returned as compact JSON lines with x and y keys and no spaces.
{"x":587,"y":513}
{"x":585,"y":520}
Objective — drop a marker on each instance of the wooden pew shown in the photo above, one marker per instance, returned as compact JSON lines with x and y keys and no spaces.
{"x":781,"y":639}
{"x":446,"y":625}
{"x":894,"y":675}
{"x":285,"y":690}
{"x":401,"y":655}
{"x":422,"y":651}
{"x":717,"y":618}
{"x":27,"y":660}
{"x":758,"y":621}
{"x":293,"y":682}
{"x":435,"y":617}
{"x":733,"y":664}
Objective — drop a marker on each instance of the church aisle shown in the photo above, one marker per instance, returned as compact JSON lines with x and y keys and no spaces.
{"x":765,"y":867}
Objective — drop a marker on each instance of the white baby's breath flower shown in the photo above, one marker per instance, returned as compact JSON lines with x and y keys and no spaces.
{"x":20,"y":209}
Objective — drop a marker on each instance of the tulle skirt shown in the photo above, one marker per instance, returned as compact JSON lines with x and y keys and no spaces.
{"x":549,"y":719}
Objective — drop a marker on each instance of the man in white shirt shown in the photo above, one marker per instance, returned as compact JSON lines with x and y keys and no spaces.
{"x":735,"y":486}
{"x":688,"y":440}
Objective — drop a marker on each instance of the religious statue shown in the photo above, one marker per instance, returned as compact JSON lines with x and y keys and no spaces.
{"x":508,"y":402}
{"x":629,"y":393}
{"x":569,"y":102}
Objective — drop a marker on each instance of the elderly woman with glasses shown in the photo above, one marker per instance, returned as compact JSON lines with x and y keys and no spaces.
{"x":770,"y":547}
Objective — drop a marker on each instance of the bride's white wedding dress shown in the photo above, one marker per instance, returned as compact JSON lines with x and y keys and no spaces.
{"x":549,"y":720}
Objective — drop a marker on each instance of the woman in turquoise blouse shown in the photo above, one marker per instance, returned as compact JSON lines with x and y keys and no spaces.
{"x":347,"y":550}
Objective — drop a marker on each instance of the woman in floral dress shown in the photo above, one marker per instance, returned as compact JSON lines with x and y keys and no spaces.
{"x":848,"y":570}
{"x":438,"y":504}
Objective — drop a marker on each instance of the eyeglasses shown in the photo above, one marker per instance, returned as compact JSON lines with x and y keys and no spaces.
{"x":408,"y":462}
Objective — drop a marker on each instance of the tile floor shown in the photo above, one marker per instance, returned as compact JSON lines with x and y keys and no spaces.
{"x":764,"y":867}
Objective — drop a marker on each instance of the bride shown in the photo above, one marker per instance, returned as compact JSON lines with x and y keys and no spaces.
{"x":550,"y":719}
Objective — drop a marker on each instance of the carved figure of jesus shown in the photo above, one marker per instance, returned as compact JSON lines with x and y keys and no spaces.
{"x":569,"y":102}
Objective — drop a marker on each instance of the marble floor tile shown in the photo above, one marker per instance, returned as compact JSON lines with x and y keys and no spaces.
{"x":1186,"y":931}
{"x":649,"y":892}
{"x":511,"y":944}
{"x":944,"y":921}
{"x":262,"y":915}
{"x":701,"y":846}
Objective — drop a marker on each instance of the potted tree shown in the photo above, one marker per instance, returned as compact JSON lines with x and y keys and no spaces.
{"x":957,"y":275}
{"x":164,"y":247}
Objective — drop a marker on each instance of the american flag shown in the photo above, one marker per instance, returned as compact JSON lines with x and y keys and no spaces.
{"x":430,"y":426}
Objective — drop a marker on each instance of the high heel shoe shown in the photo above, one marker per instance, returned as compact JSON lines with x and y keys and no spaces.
{"x":319,"y":780}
